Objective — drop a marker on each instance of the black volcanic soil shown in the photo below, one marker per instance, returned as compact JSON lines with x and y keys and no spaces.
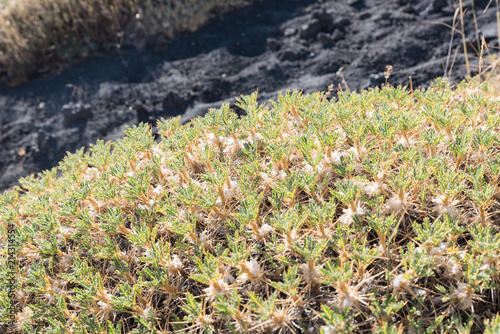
{"x":271,"y":46}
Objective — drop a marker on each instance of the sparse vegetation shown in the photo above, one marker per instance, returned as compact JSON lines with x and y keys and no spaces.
{"x":376,"y":212}
{"x":37,"y":36}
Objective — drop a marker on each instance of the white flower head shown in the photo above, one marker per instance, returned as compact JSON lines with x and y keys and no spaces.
{"x":356,"y":152}
{"x":253,"y":268}
{"x":329,"y":329}
{"x":452,"y":269}
{"x":104,"y":306}
{"x":394,"y":205}
{"x":156,"y":192}
{"x":50,"y":298}
{"x":264,"y":230}
{"x":310,"y":273}
{"x":462,"y":296}
{"x":175,"y":265}
{"x":278,"y":174}
{"x":295,"y":159}
{"x":157,"y":152}
{"x":214,"y":139}
{"x":225,"y":271}
{"x":291,"y":238}
{"x":477,"y":157}
{"x":147,"y":205}
{"x":399,"y":283}
{"x":348,"y":298}
{"x":255,"y":137}
{"x":219,"y":287}
{"x":230,"y":189}
{"x":308,"y":168}
{"x":23,"y":317}
{"x":402,"y":140}
{"x":348,"y":216}
{"x":371,"y":188}
{"x":438,"y":250}
{"x":442,"y":207}
{"x":231,"y":146}
{"x":91,"y":174}
{"x":449,"y":137}
{"x":66,"y":231}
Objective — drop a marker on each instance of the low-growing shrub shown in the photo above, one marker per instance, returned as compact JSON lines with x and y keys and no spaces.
{"x":372,"y":212}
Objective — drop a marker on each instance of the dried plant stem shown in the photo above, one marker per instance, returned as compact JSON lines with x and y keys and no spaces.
{"x":463,"y":38}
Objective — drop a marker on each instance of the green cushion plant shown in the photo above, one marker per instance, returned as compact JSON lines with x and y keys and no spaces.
{"x":372,"y":212}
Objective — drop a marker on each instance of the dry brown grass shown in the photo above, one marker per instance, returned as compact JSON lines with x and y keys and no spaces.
{"x":38,"y":36}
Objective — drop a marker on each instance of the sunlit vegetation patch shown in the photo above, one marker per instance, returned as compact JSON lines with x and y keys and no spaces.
{"x":371,"y":212}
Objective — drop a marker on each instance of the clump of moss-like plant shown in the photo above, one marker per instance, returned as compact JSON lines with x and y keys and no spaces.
{"x":373,"y":212}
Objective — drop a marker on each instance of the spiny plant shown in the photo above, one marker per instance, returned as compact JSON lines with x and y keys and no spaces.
{"x":372,"y":212}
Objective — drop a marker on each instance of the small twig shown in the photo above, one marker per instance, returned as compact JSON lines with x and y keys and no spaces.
{"x":463,"y":37}
{"x":339,"y":72}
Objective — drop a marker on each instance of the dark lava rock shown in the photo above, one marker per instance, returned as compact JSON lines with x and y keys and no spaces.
{"x":214,"y":90}
{"x":38,"y":142}
{"x":436,"y":6}
{"x":289,"y":32}
{"x":358,"y":4}
{"x":310,"y":29}
{"x":295,"y":52}
{"x":273,"y":44}
{"x":161,"y":44}
{"x":338,"y":35}
{"x":409,"y":9}
{"x":75,"y":112}
{"x":488,"y":31}
{"x":139,"y":107}
{"x":341,"y":23}
{"x":331,"y":39}
{"x":324,"y":18}
{"x":326,"y":39}
{"x":174,"y":99}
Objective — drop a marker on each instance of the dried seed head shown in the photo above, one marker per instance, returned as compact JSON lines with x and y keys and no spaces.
{"x":348,"y":217}
{"x":400,"y":284}
{"x":452,"y":269}
{"x":394,"y":205}
{"x":310,"y":274}
{"x":462,"y":296}
{"x":218,"y":287}
{"x":349,"y":297}
{"x":23,"y":317}
{"x":264,"y":231}
{"x":371,"y":188}
{"x":445,"y":206}
{"x":175,"y":265}
{"x":252,"y":271}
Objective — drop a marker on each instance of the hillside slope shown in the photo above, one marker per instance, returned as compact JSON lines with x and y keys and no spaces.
{"x":376,"y":213}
